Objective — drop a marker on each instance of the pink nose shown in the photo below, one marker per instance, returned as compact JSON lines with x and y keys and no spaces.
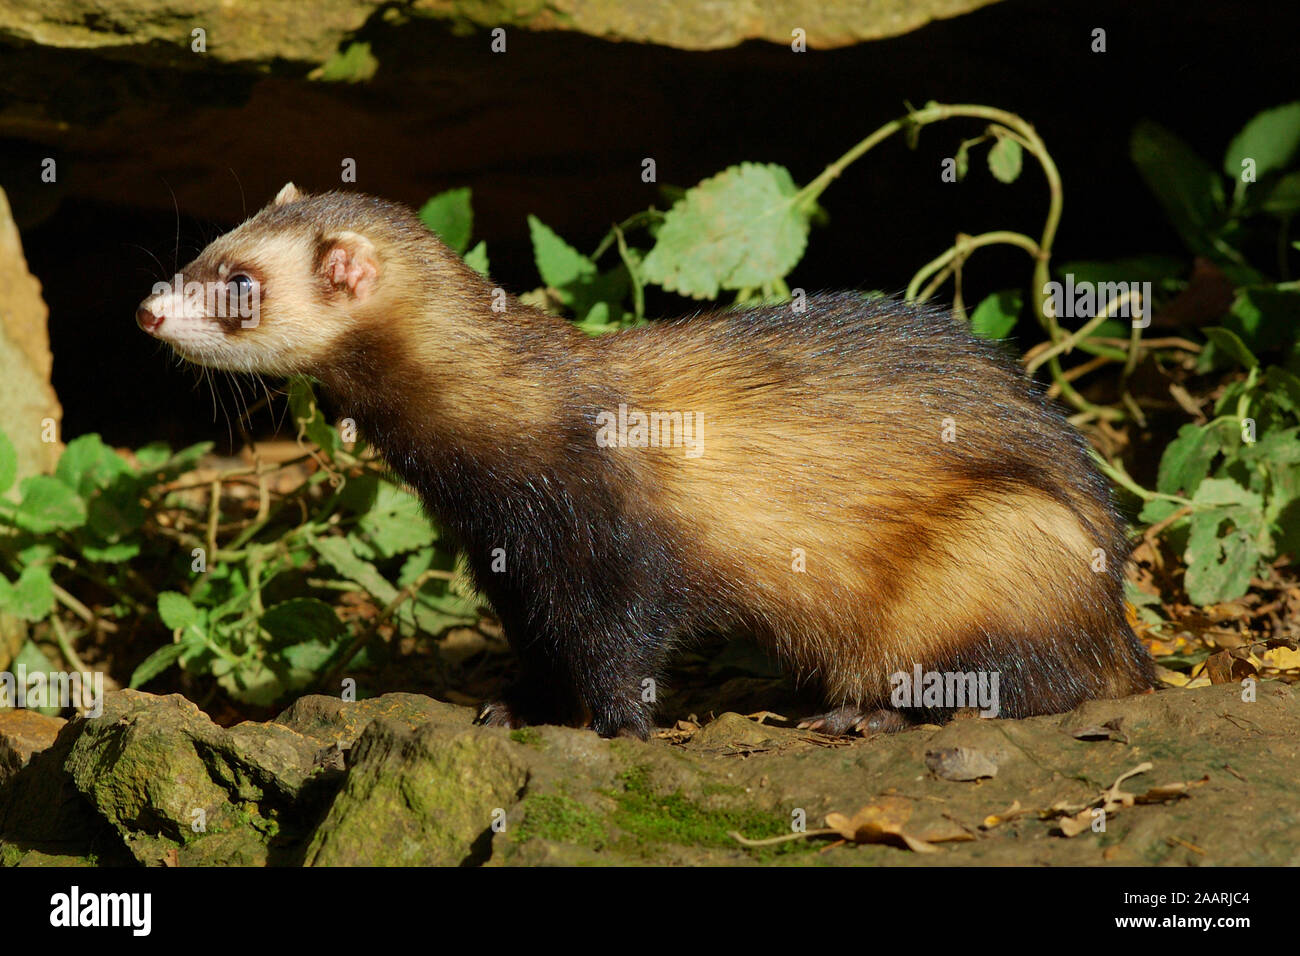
{"x":145,"y":318}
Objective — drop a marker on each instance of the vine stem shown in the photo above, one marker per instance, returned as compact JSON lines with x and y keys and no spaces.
{"x":1117,"y":474}
{"x":1069,"y":342}
{"x":65,"y":645}
{"x":1023,"y":133}
{"x":962,"y":248}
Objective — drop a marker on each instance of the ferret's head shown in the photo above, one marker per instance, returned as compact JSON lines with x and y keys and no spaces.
{"x":296,"y":286}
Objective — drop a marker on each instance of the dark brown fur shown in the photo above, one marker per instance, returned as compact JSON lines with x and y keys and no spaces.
{"x":822,"y":434}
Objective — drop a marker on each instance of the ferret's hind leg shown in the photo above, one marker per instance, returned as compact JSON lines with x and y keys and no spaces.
{"x":864,"y":720}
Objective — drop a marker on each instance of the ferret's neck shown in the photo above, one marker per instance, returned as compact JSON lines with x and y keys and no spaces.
{"x":455,"y":403}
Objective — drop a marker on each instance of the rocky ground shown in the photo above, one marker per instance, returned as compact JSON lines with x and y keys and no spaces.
{"x":1181,"y":777}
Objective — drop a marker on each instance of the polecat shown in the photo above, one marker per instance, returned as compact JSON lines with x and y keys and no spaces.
{"x":863,"y":486}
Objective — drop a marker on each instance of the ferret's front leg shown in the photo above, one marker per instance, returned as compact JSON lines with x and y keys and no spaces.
{"x":594,"y":676}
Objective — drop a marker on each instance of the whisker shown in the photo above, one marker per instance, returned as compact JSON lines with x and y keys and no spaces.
{"x":176,"y":247}
{"x":242,"y":201}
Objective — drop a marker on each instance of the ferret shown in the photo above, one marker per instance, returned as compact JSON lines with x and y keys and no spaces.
{"x":863,"y":486}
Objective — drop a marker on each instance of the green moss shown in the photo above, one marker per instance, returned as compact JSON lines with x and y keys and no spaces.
{"x":10,"y":855}
{"x":553,"y":816}
{"x":649,"y":818}
{"x":528,"y":736}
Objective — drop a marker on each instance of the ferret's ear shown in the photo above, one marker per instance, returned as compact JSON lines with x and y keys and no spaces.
{"x":350,"y":262}
{"x":288,"y":193}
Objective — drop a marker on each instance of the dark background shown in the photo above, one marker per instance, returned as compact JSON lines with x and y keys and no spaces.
{"x":159,"y":159}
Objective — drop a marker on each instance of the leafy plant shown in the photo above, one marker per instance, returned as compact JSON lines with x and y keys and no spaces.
{"x":1228,"y":489}
{"x":248,"y":586}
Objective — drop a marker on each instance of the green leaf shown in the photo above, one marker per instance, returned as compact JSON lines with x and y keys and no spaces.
{"x":1271,"y":139}
{"x":33,"y":660}
{"x":450,"y":216}
{"x":1278,"y":447}
{"x":1186,"y":460}
{"x":962,"y":160}
{"x":1264,"y":318}
{"x":153,"y":455}
{"x":49,"y":505}
{"x":185,"y":459}
{"x":353,"y":64}
{"x":1189,"y":191}
{"x":87,"y":463}
{"x":477,"y":258}
{"x":1286,"y":490}
{"x":1006,"y":159}
{"x":1228,"y":341}
{"x":395,"y":523}
{"x":338,"y":553}
{"x":156,"y":663}
{"x":739,"y":229}
{"x":252,"y":682}
{"x":306,"y":660}
{"x":359,"y":493}
{"x":1284,"y":388}
{"x":31,"y":597}
{"x":996,"y":316}
{"x":116,"y":511}
{"x":176,"y":610}
{"x":1221,"y":492}
{"x":1157,"y":510}
{"x":558,"y":263}
{"x":8,"y":463}
{"x":1219,"y":567}
{"x":301,"y":619}
{"x":1283,"y":197}
{"x":111,"y":553}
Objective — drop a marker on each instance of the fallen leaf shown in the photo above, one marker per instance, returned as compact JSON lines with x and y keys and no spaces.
{"x":997,"y":819}
{"x":881,"y":822}
{"x":1110,"y":730}
{"x":1225,"y":667}
{"x":960,"y":763}
{"x":1282,"y":658}
{"x":1170,"y":791}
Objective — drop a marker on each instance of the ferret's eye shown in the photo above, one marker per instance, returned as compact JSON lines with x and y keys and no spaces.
{"x":242,"y":285}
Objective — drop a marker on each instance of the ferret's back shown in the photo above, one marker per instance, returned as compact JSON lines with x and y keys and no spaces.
{"x":875,"y":484}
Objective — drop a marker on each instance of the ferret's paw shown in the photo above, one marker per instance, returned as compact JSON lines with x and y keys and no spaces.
{"x":497,"y":713}
{"x":843,"y":720}
{"x":621,"y":722}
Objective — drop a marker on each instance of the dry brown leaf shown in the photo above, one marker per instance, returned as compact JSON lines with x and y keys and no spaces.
{"x":1282,"y":658}
{"x":1170,"y":791}
{"x":881,"y":822}
{"x":946,"y":831}
{"x":1079,"y":823}
{"x":1226,"y":667}
{"x":1075,"y":820}
{"x":1010,"y":813}
{"x":960,"y":763}
{"x":1110,"y":730}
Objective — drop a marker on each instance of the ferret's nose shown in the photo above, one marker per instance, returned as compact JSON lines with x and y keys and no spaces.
{"x":145,"y":318}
